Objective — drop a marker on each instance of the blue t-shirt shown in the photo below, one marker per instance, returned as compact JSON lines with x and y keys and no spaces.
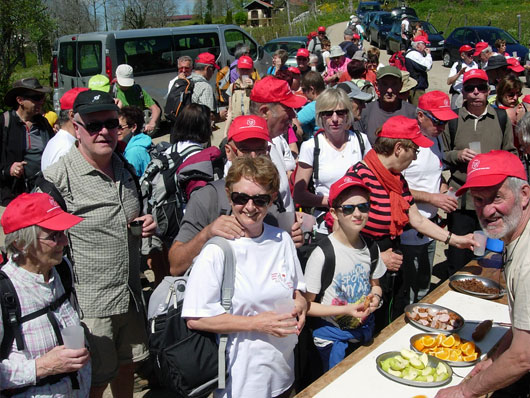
{"x":307,"y":118}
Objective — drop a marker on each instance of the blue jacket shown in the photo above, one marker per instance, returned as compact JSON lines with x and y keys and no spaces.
{"x":136,"y":152}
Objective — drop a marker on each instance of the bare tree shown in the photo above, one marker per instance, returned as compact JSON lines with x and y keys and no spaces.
{"x":71,"y":16}
{"x":137,"y":14}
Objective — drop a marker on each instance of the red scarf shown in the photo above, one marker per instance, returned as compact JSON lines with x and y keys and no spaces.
{"x":392,"y":184}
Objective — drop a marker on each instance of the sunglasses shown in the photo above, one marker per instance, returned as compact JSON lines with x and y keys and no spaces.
{"x":120,"y":127}
{"x":97,"y":126}
{"x":35,"y":97}
{"x":469,"y":88}
{"x":349,"y":209}
{"x":302,"y":59}
{"x":54,"y":236}
{"x":339,"y":112}
{"x":435,"y":121}
{"x":242,"y":199}
{"x":248,"y":151}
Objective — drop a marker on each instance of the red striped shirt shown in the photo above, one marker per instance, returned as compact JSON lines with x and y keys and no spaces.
{"x":378,"y":224}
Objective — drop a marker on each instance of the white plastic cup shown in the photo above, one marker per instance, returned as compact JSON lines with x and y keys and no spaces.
{"x":475,"y":146}
{"x":481,"y":238}
{"x":73,"y":337}
{"x":285,"y":306}
{"x":286,"y":221}
{"x":451,"y":194}
{"x":308,"y":222}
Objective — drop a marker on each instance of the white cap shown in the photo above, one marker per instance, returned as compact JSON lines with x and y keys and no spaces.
{"x":124,"y":75}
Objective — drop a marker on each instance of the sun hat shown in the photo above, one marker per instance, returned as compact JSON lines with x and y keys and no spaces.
{"x":271,"y":89}
{"x":22,"y":86}
{"x":492,"y":168}
{"x":336,"y":51}
{"x":438,"y":104}
{"x":408,"y":83}
{"x":342,"y":184}
{"x":91,"y":101}
{"x":354,"y":92}
{"x":496,"y":62}
{"x":401,"y":127}
{"x":248,"y":126}
{"x":125,"y":75}
{"x":68,"y":98}
{"x":36,"y":209}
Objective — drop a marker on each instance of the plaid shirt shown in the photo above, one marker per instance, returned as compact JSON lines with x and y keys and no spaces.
{"x":202,"y":92}
{"x":106,"y":255}
{"x":18,"y":370}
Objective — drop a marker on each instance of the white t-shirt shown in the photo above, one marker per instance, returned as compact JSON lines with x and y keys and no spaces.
{"x":283,"y":148}
{"x":267,"y":269}
{"x":457,"y":85}
{"x":424,"y":174}
{"x":351,"y":280}
{"x":58,"y":146}
{"x":332,"y":164}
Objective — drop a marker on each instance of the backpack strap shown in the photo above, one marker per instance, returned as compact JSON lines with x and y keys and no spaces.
{"x":10,"y":316}
{"x":328,"y":269}
{"x":361,"y":142}
{"x":503,"y":118}
{"x":374,"y":253}
{"x":316,"y":154}
{"x":227,"y":292}
{"x":48,"y":187}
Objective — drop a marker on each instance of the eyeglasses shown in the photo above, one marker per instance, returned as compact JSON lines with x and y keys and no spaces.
{"x":469,"y":88}
{"x":339,"y":112}
{"x":435,"y":121}
{"x":54,"y":236}
{"x":240,"y":198}
{"x":120,"y":127}
{"x":415,"y":148}
{"x":247,"y":151}
{"x":35,"y":97}
{"x":349,"y":209}
{"x":97,"y":126}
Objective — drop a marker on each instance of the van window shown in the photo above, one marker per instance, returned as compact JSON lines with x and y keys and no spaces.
{"x":67,"y":59}
{"x":89,"y":58}
{"x":233,"y":37}
{"x":193,"y":45}
{"x":146,"y":54}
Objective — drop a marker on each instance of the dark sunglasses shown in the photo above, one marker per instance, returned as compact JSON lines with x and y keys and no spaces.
{"x":120,"y":127}
{"x":469,"y":88}
{"x":349,"y":209}
{"x":97,"y":126}
{"x":302,"y":59}
{"x":54,"y":236}
{"x":339,"y":112}
{"x":35,"y":97}
{"x":435,"y":120}
{"x":240,"y":198}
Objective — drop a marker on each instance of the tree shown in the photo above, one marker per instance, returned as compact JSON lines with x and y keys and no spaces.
{"x":71,"y":16}
{"x":209,"y":10}
{"x":23,"y":23}
{"x":228,"y":19}
{"x":241,"y":18}
{"x":138,"y":14}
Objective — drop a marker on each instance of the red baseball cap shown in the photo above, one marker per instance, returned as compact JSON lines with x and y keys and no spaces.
{"x":302,"y":52}
{"x":245,"y":62}
{"x":526,"y":99}
{"x":36,"y":209}
{"x":248,"y":126}
{"x":271,"y":89}
{"x":344,"y":183}
{"x":514,"y":65}
{"x":356,"y":36}
{"x":401,"y":127}
{"x":479,"y":47}
{"x":437,"y":103}
{"x":68,"y":98}
{"x":206,"y":58}
{"x":465,"y":48}
{"x":492,"y":168}
{"x":294,"y":69}
{"x":321,"y":28}
{"x":424,"y":39}
{"x":475,"y":74}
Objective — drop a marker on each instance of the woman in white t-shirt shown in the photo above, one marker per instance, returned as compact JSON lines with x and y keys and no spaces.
{"x":261,"y":341}
{"x":340,"y":148}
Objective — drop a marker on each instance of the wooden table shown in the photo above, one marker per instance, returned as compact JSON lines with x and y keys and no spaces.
{"x":472,"y":268}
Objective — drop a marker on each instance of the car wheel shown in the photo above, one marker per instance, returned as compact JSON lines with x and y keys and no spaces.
{"x":446,"y":59}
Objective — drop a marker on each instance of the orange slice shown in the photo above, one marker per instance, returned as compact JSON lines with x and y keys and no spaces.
{"x":427,"y":341}
{"x":453,"y":355}
{"x":438,"y":340}
{"x":418,"y":344}
{"x":469,"y":358}
{"x":468,"y":348}
{"x":443,"y":354}
{"x":448,"y":342}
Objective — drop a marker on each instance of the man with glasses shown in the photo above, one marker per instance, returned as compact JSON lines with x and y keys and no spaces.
{"x":25,"y":133}
{"x":208,"y":210}
{"x":477,"y":123}
{"x":184,"y":68}
{"x":94,"y":182}
{"x":456,"y":74}
{"x":418,"y":61}
{"x":429,"y":189}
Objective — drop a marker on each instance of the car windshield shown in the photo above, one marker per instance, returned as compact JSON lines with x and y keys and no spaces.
{"x":429,"y":28}
{"x":490,"y":35}
{"x":290,"y":46}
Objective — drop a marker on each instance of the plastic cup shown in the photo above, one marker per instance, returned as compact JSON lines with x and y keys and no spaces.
{"x":136,"y":227}
{"x":308,"y":222}
{"x":73,"y":337}
{"x":286,"y":220}
{"x":285,"y":306}
{"x":475,"y":146}
{"x":481,"y":238}
{"x":451,"y":194}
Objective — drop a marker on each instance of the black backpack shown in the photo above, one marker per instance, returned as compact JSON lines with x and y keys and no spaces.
{"x":188,"y":362}
{"x":179,"y":96}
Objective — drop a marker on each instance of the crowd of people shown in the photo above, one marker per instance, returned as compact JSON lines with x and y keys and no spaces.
{"x":331,"y":200}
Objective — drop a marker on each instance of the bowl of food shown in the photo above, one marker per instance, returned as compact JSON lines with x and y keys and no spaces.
{"x":412,"y":369}
{"x":434,"y":318}
{"x":450,"y":348}
{"x":477,"y":286}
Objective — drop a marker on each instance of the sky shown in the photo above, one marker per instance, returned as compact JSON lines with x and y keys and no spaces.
{"x":185,"y":6}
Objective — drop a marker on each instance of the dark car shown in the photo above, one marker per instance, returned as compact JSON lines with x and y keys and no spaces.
{"x":379,"y":28}
{"x":472,"y":35}
{"x":393,"y":39}
{"x":365,"y":6}
{"x":291,"y":44}
{"x":367,"y":19}
{"x":399,"y":11}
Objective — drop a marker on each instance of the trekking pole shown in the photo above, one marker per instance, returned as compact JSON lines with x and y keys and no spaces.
{"x":392,"y":289}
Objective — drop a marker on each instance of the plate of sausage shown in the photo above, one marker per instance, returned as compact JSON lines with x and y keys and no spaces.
{"x":434,"y":318}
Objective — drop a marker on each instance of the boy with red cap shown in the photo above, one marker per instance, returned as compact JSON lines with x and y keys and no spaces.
{"x":497,"y":183}
{"x":456,"y":74}
{"x":342,"y":276}
{"x":418,"y":62}
{"x":239,"y":92}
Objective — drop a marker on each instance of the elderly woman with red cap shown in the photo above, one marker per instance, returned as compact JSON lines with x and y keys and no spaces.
{"x":38,"y":303}
{"x":392,"y":206}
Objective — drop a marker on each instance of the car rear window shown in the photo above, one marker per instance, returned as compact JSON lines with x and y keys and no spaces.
{"x":490,"y":35}
{"x":67,"y":56}
{"x":90,"y":54}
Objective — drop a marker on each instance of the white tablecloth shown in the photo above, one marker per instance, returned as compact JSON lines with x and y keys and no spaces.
{"x":364,"y":380}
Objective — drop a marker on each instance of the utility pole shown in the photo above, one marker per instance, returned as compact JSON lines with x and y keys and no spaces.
{"x":287,"y":3}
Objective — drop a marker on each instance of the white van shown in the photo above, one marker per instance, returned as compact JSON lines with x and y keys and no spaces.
{"x":153,"y":54}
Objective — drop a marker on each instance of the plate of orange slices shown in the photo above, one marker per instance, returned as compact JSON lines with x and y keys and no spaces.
{"x":450,"y":348}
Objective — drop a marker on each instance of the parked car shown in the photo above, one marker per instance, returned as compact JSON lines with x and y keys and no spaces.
{"x":367,"y":19}
{"x":379,"y":28}
{"x":365,"y":6}
{"x":393,"y":39}
{"x":472,"y":35}
{"x":291,"y":44}
{"x":399,"y":11}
